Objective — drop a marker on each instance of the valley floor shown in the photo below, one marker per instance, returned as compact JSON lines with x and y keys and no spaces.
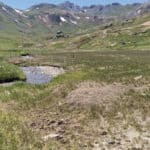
{"x":102,"y":101}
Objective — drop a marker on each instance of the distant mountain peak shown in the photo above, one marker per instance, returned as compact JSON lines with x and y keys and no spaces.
{"x":116,"y":4}
{"x":142,"y":9}
{"x":66,"y":16}
{"x":70,"y":6}
{"x":42,"y":5}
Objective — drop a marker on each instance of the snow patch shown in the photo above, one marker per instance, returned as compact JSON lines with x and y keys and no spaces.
{"x":139,"y":11}
{"x":16,"y":21}
{"x":77,"y":17}
{"x":3,"y":8}
{"x":63,"y":19}
{"x":40,"y":17}
{"x":74,"y":22}
{"x":45,"y":20}
{"x":18,"y":11}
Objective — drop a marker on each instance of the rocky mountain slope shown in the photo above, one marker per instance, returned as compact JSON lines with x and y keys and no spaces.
{"x":50,"y":17}
{"x":45,"y":20}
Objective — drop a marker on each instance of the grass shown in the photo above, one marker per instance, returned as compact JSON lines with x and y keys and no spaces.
{"x":120,"y":36}
{"x":29,"y":112}
{"x":49,"y":104}
{"x":10,"y":72}
{"x":131,"y":35}
{"x":14,"y":135}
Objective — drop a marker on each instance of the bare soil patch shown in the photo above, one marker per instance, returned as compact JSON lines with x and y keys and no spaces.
{"x":146,"y":23}
{"x":7,"y":106}
{"x":71,"y":127}
{"x":88,"y":93}
{"x":94,"y":93}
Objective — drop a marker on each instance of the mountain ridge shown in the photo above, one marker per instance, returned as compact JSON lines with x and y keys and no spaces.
{"x":44,"y":19}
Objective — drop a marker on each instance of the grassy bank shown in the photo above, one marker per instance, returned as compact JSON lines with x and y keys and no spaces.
{"x":10,"y":72}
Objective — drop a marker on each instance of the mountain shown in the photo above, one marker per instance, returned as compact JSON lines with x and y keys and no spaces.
{"x":66,"y":16}
{"x":70,"y":6}
{"x":133,"y":34}
{"x":44,"y":20}
{"x":13,"y":19}
{"x":111,"y":10}
{"x":143,"y":9}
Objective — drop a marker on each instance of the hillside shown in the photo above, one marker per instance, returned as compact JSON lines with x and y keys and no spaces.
{"x":42,"y":21}
{"x":114,"y":10}
{"x":129,"y":34}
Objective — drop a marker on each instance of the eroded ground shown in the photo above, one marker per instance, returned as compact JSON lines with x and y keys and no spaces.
{"x":95,"y":116}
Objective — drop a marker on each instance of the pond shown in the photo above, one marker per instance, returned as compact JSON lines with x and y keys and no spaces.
{"x":41,"y":74}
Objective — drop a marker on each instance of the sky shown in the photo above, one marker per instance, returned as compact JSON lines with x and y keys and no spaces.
{"x":24,"y":4}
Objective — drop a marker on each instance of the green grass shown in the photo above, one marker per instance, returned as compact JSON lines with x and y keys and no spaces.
{"x":9,"y":72}
{"x":131,"y":35}
{"x":14,"y":135}
{"x":86,"y":58}
{"x":34,"y":103}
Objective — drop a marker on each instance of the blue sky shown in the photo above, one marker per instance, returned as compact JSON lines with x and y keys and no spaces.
{"x":23,"y":4}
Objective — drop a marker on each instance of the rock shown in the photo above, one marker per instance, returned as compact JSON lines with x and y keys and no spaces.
{"x":33,"y":124}
{"x":118,"y":143}
{"x":138,"y":77}
{"x":42,"y":127}
{"x":52,"y":136}
{"x":61,"y":131}
{"x":111,"y":142}
{"x":104,"y":133}
{"x":51,"y":122}
{"x":96,"y":145}
{"x":61,"y":122}
{"x":132,"y":133}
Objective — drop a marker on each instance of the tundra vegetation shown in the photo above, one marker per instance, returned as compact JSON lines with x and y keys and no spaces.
{"x":102,"y":101}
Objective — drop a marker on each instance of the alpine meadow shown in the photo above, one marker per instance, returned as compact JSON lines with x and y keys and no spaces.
{"x":75,"y":77}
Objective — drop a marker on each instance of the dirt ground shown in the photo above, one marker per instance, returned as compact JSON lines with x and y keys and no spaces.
{"x":88,"y":93}
{"x":76,"y":127}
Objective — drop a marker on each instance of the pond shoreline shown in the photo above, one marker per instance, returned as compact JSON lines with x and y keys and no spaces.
{"x":41,"y":74}
{"x":37,"y":74}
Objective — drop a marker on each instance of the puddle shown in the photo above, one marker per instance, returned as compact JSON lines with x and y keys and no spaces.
{"x":41,"y":74}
